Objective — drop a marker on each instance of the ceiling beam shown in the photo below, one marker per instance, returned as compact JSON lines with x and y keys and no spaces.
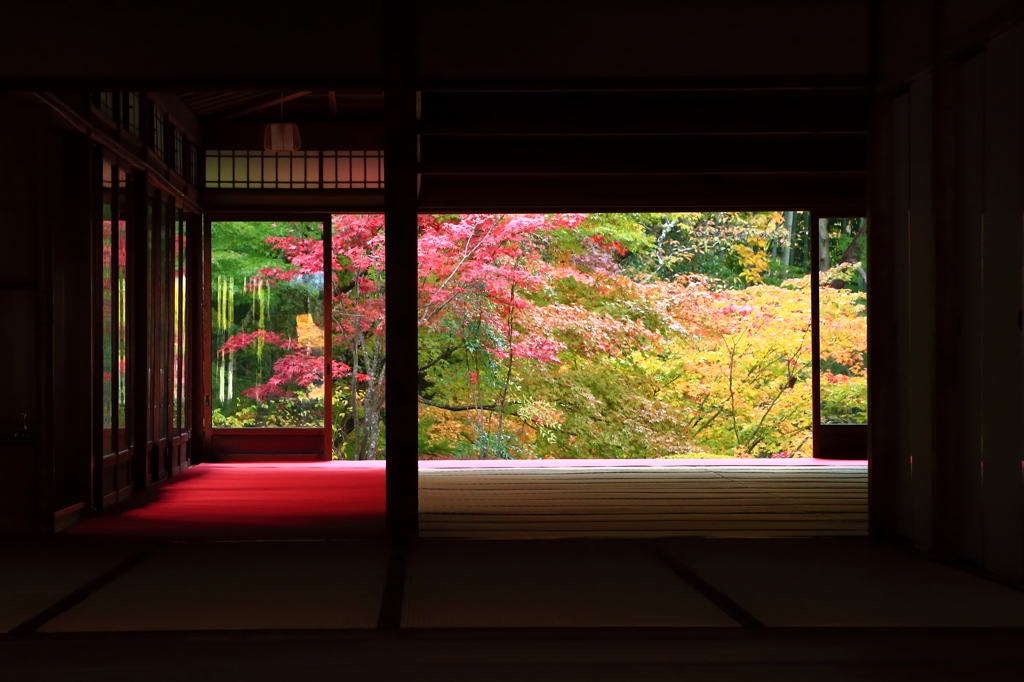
{"x":264,"y":105}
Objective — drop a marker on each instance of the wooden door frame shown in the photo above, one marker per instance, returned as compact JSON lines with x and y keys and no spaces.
{"x":283,"y":440}
{"x":830,"y":441}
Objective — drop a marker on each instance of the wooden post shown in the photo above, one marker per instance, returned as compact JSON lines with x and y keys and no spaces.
{"x":815,"y":226}
{"x":328,"y":341}
{"x":400,"y":210}
{"x":948,"y":389}
{"x":196,"y":296}
{"x":206,"y":372}
{"x":138,"y":327}
{"x":883,"y":364}
{"x":1002,"y":373}
{"x":969,"y":291}
{"x":918,"y":416}
{"x":95,"y":279}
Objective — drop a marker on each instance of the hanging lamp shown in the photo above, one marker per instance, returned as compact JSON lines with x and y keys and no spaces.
{"x":282,"y":137}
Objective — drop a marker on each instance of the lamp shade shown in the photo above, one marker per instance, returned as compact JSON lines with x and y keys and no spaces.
{"x":282,"y":137}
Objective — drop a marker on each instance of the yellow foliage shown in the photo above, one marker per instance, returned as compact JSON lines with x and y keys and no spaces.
{"x":452,"y":427}
{"x":753,"y":259}
{"x":307,"y":333}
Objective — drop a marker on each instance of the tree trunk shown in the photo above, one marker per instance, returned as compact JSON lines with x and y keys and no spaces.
{"x":357,"y":449}
{"x":854,"y":252}
{"x":371,"y":406}
{"x":823,"y":260}
{"x":787,"y":251}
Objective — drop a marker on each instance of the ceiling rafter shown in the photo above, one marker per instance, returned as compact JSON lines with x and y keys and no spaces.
{"x":264,"y":105}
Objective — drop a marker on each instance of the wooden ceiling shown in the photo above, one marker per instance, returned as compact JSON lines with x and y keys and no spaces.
{"x":792,"y":145}
{"x":291,"y":105}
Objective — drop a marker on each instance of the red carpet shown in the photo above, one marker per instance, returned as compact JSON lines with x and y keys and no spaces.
{"x":253,"y":501}
{"x":300,"y":500}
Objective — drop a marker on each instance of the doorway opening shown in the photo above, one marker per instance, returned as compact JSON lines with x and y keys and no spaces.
{"x":692,"y":348}
{"x":297,"y":340}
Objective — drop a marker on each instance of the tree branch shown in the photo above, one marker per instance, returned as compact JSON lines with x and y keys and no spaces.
{"x":443,"y":356}
{"x":463,"y":408}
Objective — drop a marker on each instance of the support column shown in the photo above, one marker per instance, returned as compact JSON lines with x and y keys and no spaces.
{"x":1003,"y":260}
{"x":883,"y":364}
{"x":883,"y":361}
{"x":815,"y":225}
{"x":138,"y":326}
{"x":196,"y":312}
{"x":947,"y":395}
{"x":328,"y":289}
{"x":206,"y":345}
{"x":400,"y":212}
{"x":921,"y":319}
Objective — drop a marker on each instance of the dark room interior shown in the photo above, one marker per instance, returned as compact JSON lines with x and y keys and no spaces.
{"x":140,"y":540}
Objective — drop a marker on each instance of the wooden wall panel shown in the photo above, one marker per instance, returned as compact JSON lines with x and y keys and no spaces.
{"x":968,"y":23}
{"x":901,"y":259}
{"x":18,"y":461}
{"x":968,"y":274}
{"x":525,"y":193}
{"x":25,"y":492}
{"x":1001,"y":305}
{"x":905,"y":37}
{"x":559,"y":38}
{"x":958,"y":182}
{"x":72,"y":319}
{"x":175,"y":39}
{"x":921,"y":273}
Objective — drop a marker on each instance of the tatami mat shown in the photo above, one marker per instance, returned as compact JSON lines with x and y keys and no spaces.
{"x":240,"y":586}
{"x":545,"y":584}
{"x":34,"y":575}
{"x":734,"y":501}
{"x":846,"y":582}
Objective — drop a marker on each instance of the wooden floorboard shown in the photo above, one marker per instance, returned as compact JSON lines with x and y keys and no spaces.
{"x":763,"y":501}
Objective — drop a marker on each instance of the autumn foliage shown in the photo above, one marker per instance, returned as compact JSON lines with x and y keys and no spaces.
{"x":570,"y":335}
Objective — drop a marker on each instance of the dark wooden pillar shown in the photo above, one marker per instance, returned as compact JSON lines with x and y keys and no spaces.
{"x":206,"y":347}
{"x":44,"y":185}
{"x":883,"y":364}
{"x":1002,"y":372}
{"x":902,"y":479}
{"x":814,"y":260}
{"x":947,"y":394}
{"x":138,"y":327}
{"x":400,"y":209}
{"x":921,"y":272}
{"x":970,"y":189}
{"x":196,"y":310}
{"x":328,"y":293}
{"x":72,"y":323}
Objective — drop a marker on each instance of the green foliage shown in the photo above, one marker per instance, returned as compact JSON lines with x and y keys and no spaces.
{"x":430,"y":443}
{"x":735,"y":249}
{"x":240,"y":250}
{"x":243,"y":304}
{"x":491,"y":445}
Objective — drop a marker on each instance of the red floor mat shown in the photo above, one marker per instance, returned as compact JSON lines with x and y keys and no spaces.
{"x":253,"y":501}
